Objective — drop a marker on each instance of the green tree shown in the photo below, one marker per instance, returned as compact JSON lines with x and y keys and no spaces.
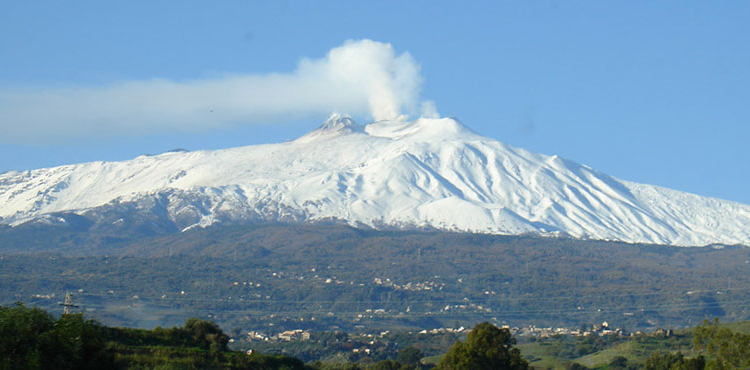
{"x":730,"y":350}
{"x":487,"y":347}
{"x":74,"y":343}
{"x":618,"y":362}
{"x":674,"y":361}
{"x":390,"y":365}
{"x":31,"y":339}
{"x":20,"y":328}
{"x":207,"y":334}
{"x":410,"y":356}
{"x":343,"y":366}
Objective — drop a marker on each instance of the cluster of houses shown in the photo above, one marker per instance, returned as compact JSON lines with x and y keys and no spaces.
{"x":469,"y":306}
{"x":286,"y":336}
{"x":443,"y":330}
{"x":411,"y":286}
{"x":529,"y":331}
{"x":598,"y":329}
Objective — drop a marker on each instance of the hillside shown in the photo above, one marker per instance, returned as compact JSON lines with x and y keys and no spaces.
{"x":248,"y":277}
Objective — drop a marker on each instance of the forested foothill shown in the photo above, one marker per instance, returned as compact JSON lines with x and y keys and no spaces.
{"x":331,"y":277}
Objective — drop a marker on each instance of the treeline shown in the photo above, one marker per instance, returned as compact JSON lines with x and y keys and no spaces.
{"x":31,"y":338}
{"x":730,"y":350}
{"x":718,"y":348}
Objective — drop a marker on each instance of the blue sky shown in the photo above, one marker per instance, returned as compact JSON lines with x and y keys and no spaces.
{"x":652,"y":92}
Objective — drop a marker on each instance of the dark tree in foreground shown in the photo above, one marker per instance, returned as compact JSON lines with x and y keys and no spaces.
{"x":391,"y":365}
{"x":409,"y":356}
{"x":207,"y":334}
{"x":32,"y":339}
{"x":486,"y":348}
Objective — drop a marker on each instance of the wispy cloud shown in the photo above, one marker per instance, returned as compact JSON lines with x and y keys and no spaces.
{"x":361,"y":77}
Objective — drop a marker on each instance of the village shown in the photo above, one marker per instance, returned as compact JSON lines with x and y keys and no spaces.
{"x":258,"y":291}
{"x":602,"y":329}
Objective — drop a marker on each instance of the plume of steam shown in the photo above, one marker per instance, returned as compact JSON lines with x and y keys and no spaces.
{"x":360,"y":77}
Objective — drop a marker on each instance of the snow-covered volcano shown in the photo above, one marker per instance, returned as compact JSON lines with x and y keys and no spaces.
{"x":431,"y":173}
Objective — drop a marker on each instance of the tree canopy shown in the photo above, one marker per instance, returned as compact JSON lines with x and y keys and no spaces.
{"x":674,"y":361}
{"x":409,"y":356}
{"x":486,"y":348}
{"x":730,"y":350}
{"x":32,"y":339}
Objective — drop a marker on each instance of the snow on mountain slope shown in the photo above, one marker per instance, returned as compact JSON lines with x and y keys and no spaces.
{"x":425,"y":173}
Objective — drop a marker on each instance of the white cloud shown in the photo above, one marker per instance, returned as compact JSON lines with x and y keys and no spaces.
{"x":361,"y":77}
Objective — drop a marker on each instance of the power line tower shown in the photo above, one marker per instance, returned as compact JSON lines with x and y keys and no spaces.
{"x":68,"y":304}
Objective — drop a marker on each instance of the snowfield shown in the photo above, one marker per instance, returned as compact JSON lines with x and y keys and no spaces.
{"x":424,"y":173}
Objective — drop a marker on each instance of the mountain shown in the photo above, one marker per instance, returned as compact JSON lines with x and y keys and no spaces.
{"x":427,"y":173}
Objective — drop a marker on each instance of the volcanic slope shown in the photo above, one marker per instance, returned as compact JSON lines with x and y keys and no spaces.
{"x":432,"y":173}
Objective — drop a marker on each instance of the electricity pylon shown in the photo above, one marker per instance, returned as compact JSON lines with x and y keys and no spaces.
{"x":68,"y":304}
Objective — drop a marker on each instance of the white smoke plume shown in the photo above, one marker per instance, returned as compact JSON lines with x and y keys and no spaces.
{"x":362,"y":77}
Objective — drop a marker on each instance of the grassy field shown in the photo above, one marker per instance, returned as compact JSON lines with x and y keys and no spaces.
{"x":555,"y":353}
{"x":542,"y":355}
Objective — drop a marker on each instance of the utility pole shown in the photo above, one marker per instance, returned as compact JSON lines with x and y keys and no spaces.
{"x":68,"y":304}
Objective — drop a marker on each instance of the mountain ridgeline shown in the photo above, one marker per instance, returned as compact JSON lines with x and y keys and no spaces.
{"x":388,"y":175}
